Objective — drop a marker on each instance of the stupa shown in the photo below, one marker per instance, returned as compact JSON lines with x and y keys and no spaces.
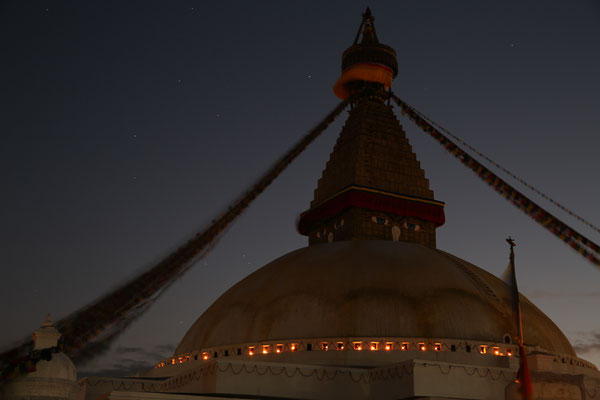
{"x":51,"y":374}
{"x":370,"y":309}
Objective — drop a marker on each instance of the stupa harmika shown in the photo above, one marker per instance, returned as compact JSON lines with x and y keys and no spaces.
{"x":371,"y":309}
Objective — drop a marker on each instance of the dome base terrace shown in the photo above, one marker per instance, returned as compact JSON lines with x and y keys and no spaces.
{"x":429,"y":369}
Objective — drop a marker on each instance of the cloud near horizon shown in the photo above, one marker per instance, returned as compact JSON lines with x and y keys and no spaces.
{"x":541,"y":294}
{"x":590,"y":344}
{"x":131,"y":360}
{"x":158,"y":352}
{"x":122,"y":368}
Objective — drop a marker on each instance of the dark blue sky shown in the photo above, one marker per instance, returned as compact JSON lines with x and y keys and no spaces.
{"x":127,"y":126}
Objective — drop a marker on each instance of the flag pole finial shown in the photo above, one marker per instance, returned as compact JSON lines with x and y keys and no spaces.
{"x":511,"y":242}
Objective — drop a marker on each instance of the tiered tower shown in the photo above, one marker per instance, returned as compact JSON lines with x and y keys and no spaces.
{"x":373,"y":187}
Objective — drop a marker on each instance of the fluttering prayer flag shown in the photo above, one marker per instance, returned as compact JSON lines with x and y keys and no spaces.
{"x":524,"y":376}
{"x":588,"y":249}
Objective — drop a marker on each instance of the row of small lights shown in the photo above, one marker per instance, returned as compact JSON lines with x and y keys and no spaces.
{"x":358,"y":346}
{"x":266,"y":348}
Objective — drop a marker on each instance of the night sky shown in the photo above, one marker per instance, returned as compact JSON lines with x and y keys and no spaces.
{"x":127,"y":126}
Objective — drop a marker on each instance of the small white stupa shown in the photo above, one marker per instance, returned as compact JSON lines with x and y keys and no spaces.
{"x":52,"y":379}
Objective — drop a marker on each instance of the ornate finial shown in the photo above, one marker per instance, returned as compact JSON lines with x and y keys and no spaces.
{"x":46,"y":336}
{"x":369,"y":34}
{"x":367,"y":27}
{"x":48,"y":322}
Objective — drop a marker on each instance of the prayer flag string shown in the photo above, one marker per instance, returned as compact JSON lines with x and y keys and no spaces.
{"x":512,"y":175}
{"x":588,"y":249}
{"x":88,"y":331}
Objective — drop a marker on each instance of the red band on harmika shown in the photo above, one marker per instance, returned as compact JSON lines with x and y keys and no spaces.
{"x":356,"y":196}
